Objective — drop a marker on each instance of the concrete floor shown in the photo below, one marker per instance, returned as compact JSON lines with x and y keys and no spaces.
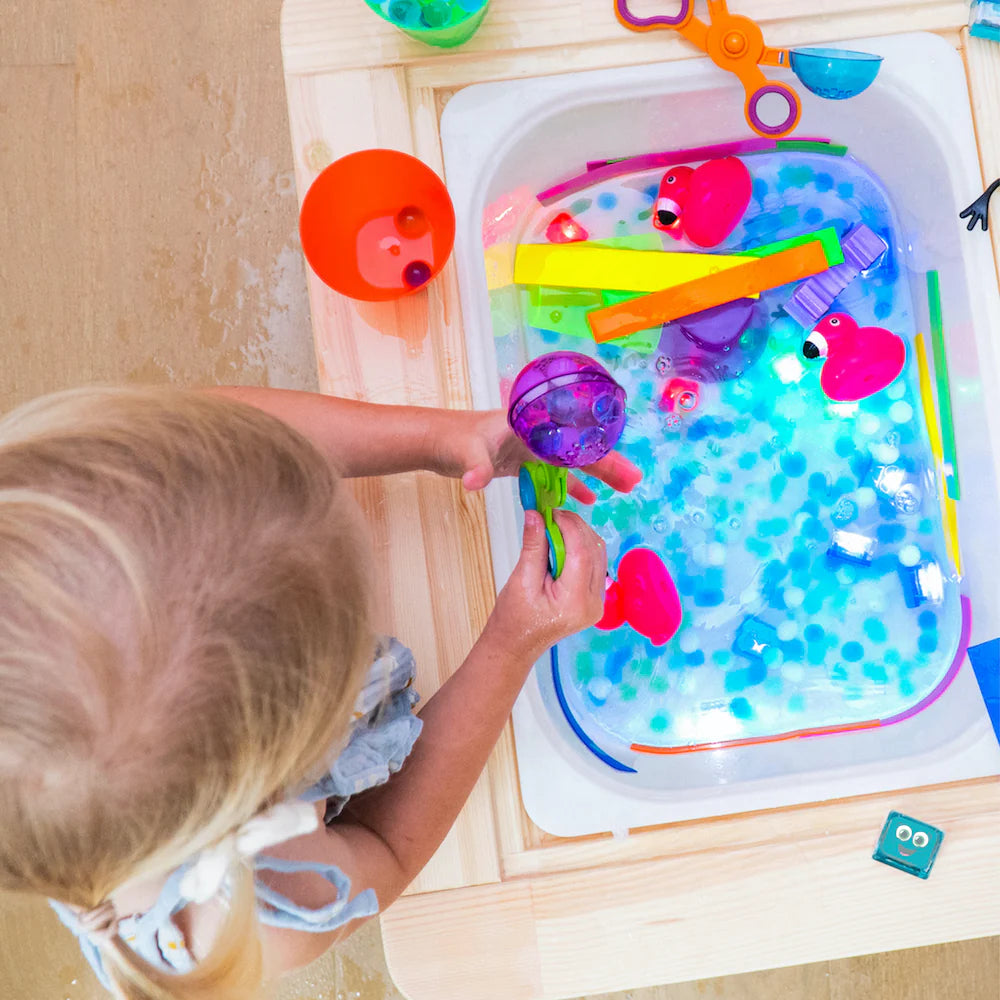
{"x":149,"y":224}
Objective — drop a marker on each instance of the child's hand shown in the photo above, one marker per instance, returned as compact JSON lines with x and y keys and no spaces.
{"x":485,"y":447}
{"x":533,"y":611}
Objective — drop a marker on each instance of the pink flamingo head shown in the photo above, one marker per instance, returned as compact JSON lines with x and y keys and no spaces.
{"x":859,"y":361}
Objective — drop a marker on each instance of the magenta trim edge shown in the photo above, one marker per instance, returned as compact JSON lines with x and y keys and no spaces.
{"x":649,"y":161}
{"x":960,"y":653}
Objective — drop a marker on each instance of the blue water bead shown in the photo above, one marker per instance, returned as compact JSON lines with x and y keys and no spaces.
{"x":927,"y":620}
{"x":793,"y":464}
{"x":799,"y":559}
{"x":813,"y":216}
{"x":844,"y":446}
{"x":747,"y":460}
{"x":777,"y":486}
{"x":927,"y":642}
{"x":875,"y":630}
{"x":741,"y":708}
{"x":845,"y":191}
{"x":794,"y":650}
{"x":875,"y":672}
{"x":772,"y":527}
{"x":659,"y":722}
{"x":616,"y":663}
{"x":891,"y":533}
{"x":797,"y":703}
{"x":852,"y":651}
{"x":761,"y":549}
{"x":823,"y":181}
{"x":695,"y":659}
{"x":607,"y":200}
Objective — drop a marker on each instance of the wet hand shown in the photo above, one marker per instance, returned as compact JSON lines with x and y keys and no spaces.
{"x":486,"y":447}
{"x":534,"y":611}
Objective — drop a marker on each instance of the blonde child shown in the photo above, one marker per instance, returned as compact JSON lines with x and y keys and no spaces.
{"x":197,"y":721}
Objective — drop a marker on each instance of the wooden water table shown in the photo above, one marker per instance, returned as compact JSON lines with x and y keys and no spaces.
{"x":504,"y":910}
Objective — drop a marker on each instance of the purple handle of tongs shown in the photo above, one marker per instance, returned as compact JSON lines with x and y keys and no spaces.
{"x":621,"y":6}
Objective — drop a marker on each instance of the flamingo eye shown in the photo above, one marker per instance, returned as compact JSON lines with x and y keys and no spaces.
{"x":833,"y":321}
{"x":815,"y":346}
{"x":671,"y":179}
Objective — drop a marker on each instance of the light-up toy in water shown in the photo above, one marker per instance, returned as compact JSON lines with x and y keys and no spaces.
{"x":377,"y":225}
{"x":569,"y":412}
{"x":737,"y":44}
{"x":859,"y":361}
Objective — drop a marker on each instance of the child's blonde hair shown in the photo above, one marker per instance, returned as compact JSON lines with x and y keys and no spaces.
{"x":183,"y":633}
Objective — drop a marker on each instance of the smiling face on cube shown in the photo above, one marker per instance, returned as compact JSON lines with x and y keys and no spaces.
{"x":908,"y":844}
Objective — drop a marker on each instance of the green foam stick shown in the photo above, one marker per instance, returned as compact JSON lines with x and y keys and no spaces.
{"x":805,"y":146}
{"x":827,"y":237}
{"x":943,"y":384}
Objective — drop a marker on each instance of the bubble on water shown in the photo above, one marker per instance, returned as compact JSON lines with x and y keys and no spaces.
{"x":735,"y":522}
{"x":794,"y":596}
{"x":892,"y":438}
{"x":869,"y":424}
{"x":688,"y":641}
{"x":845,"y":510}
{"x":885,"y":453}
{"x":907,"y":499}
{"x":901,"y":412}
{"x":698,"y":516}
{"x":793,"y":672}
{"x":599,"y":688}
{"x":865,"y":497}
{"x":909,"y":555}
{"x":659,"y":524}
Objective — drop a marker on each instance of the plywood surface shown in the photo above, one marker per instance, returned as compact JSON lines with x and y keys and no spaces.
{"x":504,"y":910}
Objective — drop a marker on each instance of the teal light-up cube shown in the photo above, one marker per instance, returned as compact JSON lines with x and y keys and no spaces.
{"x":908,"y":844}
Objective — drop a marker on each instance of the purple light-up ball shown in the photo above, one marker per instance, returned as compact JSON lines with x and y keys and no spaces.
{"x":567,"y":409}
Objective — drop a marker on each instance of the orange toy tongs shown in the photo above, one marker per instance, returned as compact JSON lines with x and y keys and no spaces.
{"x":734,"y":43}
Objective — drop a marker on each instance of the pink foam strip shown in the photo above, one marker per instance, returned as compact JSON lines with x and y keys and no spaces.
{"x":650,"y":161}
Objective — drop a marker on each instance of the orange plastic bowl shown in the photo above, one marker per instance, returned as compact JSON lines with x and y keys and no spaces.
{"x":377,"y":225}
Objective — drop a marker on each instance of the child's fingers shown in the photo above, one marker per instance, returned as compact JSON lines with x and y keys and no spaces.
{"x":586,"y":555}
{"x":617,"y":471}
{"x":579,"y":490}
{"x":534,"y":559}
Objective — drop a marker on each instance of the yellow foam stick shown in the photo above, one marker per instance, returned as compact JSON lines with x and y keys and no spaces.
{"x":751,"y":276}
{"x":949,"y":514}
{"x":582,"y":265}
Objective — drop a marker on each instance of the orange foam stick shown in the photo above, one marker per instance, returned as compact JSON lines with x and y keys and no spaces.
{"x":703,"y":293}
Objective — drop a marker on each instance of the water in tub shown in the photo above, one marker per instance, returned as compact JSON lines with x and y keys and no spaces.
{"x":752,"y":497}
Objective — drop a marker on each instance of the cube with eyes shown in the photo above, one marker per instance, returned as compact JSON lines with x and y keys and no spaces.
{"x":908,"y":844}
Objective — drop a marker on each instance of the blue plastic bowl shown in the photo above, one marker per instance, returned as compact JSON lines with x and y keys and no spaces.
{"x":835,"y":73}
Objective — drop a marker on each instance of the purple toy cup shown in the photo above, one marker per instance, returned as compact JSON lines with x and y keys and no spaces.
{"x":567,"y":409}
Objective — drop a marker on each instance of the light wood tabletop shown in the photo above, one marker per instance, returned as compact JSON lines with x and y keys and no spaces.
{"x":505,"y":910}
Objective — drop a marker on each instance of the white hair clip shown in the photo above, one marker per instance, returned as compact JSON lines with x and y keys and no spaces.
{"x":209,"y":870}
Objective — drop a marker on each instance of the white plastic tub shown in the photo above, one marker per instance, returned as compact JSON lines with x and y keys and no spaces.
{"x":914,"y":130}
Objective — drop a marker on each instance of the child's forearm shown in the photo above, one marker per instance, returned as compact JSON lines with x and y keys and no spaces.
{"x":360,"y":439}
{"x":414,"y":811}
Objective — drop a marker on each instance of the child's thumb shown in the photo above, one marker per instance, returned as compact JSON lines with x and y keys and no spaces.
{"x":535,"y":543}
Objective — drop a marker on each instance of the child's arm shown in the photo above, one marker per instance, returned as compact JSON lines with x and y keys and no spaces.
{"x":387,"y":835}
{"x":369,"y":439}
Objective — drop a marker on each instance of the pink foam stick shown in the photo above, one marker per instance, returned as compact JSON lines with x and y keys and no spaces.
{"x":768,"y":144}
{"x":652,"y":161}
